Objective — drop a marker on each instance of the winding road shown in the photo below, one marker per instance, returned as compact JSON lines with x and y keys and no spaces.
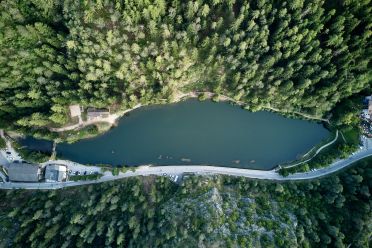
{"x":198,"y":170}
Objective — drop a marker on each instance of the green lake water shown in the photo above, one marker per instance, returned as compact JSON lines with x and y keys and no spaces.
{"x":193,"y":132}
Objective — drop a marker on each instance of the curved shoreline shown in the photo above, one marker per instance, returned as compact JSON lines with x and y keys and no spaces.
{"x":148,"y":170}
{"x":199,"y":170}
{"x":112,"y":119}
{"x":315,"y":154}
{"x":190,"y":111}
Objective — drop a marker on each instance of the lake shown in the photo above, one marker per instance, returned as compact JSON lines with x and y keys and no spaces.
{"x":194,"y":132}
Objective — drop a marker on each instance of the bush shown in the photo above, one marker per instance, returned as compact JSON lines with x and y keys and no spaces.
{"x":31,"y":156}
{"x":86,"y":177}
{"x":115,"y":171}
{"x":86,"y":132}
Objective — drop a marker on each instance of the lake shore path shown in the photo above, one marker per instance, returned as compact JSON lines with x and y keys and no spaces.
{"x":315,"y":154}
{"x":112,"y":118}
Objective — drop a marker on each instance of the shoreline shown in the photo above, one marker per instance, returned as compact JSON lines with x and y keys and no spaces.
{"x":184,"y":97}
{"x":112,"y":120}
{"x":147,"y":170}
{"x":202,"y":170}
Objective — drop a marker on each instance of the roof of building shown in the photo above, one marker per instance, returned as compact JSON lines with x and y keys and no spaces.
{"x":22,"y":172}
{"x":93,"y":112}
{"x":55,"y":172}
{"x":97,"y":110}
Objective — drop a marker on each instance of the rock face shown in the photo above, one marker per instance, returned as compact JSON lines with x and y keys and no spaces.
{"x":224,"y":215}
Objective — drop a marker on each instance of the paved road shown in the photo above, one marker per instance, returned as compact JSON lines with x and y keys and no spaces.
{"x":5,"y":159}
{"x":74,"y":167}
{"x":201,"y":170}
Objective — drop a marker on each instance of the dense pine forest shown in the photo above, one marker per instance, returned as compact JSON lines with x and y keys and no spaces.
{"x":308,"y":56}
{"x":201,"y":212}
{"x":299,"y":55}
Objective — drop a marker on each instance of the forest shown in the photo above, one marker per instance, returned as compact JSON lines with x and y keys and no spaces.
{"x":307,"y":56}
{"x":214,"y":211}
{"x":295,"y":55}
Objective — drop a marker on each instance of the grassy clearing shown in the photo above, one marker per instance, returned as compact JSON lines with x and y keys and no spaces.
{"x":84,"y":133}
{"x":103,"y":126}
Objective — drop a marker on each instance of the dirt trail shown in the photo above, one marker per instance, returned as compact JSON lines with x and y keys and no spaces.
{"x":112,"y":118}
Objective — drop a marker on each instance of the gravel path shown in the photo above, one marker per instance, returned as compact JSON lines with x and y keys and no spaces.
{"x":111,"y":119}
{"x":315,"y":154}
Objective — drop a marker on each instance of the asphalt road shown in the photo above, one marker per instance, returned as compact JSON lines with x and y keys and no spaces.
{"x":201,"y":170}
